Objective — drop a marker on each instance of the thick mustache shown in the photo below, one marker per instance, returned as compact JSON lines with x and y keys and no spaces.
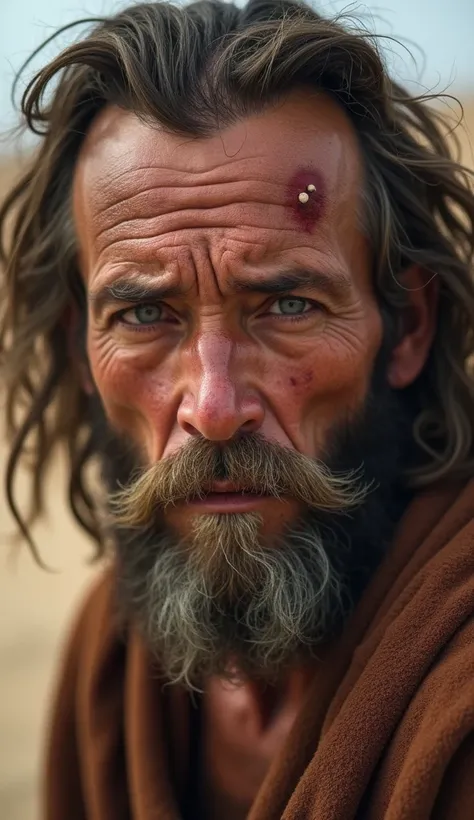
{"x":252,"y":461}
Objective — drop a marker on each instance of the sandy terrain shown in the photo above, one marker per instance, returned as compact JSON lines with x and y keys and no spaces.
{"x":34,"y":612}
{"x":35,"y":608}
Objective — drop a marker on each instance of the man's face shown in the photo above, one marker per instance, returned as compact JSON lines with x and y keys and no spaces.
{"x":232,"y":337}
{"x":219,"y":304}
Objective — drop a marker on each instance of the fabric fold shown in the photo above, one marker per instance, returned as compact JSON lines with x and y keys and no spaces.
{"x":386,"y":730}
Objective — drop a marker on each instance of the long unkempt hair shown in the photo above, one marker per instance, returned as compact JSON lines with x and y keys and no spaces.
{"x":196,"y":69}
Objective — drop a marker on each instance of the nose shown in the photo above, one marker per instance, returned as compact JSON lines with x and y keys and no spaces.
{"x":216,"y":403}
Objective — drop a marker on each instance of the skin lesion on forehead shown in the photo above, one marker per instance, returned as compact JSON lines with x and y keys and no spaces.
{"x":306,"y":198}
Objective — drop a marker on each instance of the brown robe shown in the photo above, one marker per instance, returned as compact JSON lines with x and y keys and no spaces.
{"x":386,"y":731}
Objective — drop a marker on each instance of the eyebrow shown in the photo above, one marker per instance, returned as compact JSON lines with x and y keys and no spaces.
{"x":336,"y":285}
{"x":130,"y":289}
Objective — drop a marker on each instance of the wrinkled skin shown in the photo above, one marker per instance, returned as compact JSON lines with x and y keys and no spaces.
{"x":213,"y":222}
{"x":201,"y":218}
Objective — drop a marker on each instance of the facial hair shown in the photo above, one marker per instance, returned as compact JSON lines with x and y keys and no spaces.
{"x":222,"y":595}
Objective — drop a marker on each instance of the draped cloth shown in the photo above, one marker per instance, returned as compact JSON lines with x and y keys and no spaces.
{"x":386,"y":731}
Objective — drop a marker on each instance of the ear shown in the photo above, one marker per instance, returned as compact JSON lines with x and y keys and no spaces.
{"x":418,"y":322}
{"x":74,"y":323}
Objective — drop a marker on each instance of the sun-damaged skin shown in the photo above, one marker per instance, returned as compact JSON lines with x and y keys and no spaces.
{"x":180,"y":239}
{"x":310,"y":184}
{"x":207,"y":219}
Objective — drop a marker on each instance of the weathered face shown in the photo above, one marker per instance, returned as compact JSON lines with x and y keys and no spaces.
{"x":219,"y":303}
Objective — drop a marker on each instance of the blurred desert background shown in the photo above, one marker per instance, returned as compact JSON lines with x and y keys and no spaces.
{"x":36,"y":606}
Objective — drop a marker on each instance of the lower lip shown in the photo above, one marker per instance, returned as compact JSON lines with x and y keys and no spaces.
{"x":228,"y":502}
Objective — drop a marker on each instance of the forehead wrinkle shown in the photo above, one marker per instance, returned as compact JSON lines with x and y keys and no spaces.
{"x":147,"y":244}
{"x":85,"y":175}
{"x":107,"y":198}
{"x":146,"y":249}
{"x":111,"y":236}
{"x":161,"y":193}
{"x":207,"y":218}
{"x":117,"y":130}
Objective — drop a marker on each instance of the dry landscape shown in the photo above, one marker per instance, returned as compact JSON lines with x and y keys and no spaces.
{"x":35,"y":609}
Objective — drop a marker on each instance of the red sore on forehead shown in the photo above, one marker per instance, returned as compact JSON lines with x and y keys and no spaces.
{"x":306,"y":214}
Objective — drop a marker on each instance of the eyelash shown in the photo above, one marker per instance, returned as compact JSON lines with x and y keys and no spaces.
{"x":116,"y":318}
{"x":299,"y":317}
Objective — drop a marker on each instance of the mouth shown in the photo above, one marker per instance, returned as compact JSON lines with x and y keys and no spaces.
{"x":225,"y":496}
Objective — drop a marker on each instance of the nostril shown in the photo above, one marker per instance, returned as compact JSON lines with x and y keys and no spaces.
{"x":250,"y":426}
{"x":190,"y":429}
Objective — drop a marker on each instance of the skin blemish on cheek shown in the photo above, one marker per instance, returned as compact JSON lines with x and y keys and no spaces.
{"x":310,"y":184}
{"x":302,"y":380}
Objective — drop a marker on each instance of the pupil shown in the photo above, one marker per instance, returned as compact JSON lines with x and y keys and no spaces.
{"x":146,"y":314}
{"x":292,"y":305}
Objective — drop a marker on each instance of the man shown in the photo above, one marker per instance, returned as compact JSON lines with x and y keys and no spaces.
{"x":238,"y":287}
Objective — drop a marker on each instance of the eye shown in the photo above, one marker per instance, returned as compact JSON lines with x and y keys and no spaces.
{"x":141,"y":315}
{"x":291,"y":306}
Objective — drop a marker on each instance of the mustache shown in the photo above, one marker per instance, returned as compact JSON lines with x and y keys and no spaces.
{"x":253,"y":462}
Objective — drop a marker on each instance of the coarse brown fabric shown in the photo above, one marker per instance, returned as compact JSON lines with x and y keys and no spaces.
{"x":387,"y":730}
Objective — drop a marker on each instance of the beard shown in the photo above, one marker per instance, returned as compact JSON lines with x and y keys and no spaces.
{"x":222,"y":599}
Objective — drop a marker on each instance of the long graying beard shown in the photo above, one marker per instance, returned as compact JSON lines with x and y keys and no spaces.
{"x":221,"y":592}
{"x":222,"y":595}
{"x":227,"y":598}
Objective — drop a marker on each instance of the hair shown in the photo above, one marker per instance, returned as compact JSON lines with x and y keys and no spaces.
{"x":195,"y":69}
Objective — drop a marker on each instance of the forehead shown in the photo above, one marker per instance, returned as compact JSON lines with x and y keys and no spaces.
{"x":303,"y":136}
{"x":142,"y":195}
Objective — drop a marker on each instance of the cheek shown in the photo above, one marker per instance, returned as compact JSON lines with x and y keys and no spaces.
{"x":135,"y":399}
{"x":302,"y":379}
{"x":326,"y":385}
{"x":326,"y":373}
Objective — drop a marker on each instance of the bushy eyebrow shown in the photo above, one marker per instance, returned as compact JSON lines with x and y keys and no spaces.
{"x":336,"y":285}
{"x":129,"y":289}
{"x":132,"y":290}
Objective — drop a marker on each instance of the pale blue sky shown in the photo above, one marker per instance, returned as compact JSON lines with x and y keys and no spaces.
{"x":443,"y":31}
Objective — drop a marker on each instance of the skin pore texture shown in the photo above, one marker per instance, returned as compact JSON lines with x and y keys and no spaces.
{"x":208,"y":221}
{"x":220,"y":305}
{"x":306,"y":198}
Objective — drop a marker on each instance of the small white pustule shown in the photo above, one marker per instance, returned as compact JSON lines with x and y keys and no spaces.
{"x":303,"y":197}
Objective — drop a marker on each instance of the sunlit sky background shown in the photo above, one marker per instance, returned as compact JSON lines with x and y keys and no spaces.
{"x":440,"y":36}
